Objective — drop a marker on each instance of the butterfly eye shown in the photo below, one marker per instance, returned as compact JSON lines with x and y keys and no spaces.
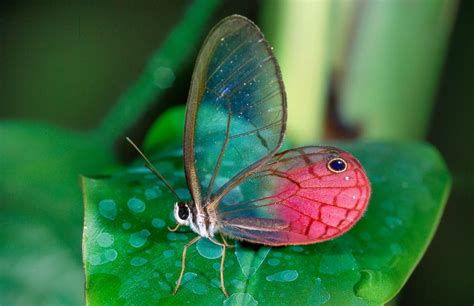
{"x":183,"y":211}
{"x":337,"y":165}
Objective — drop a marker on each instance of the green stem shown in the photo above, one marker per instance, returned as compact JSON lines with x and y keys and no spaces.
{"x":159,"y":72}
{"x":391,"y":76}
{"x":299,"y":32}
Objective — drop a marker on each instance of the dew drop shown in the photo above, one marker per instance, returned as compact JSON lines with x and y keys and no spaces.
{"x":172,"y":236}
{"x":152,"y":193}
{"x":208,"y":249}
{"x":297,"y":248}
{"x":138,"y":239}
{"x":136,"y":205}
{"x":168,"y":253}
{"x":94,"y":259}
{"x":164,"y":286}
{"x":197,"y":287}
{"x":393,"y":222}
{"x":126,"y":225}
{"x":158,"y":223}
{"x":138,"y":261}
{"x":102,"y":258}
{"x":274,"y":262}
{"x":182,"y":236}
{"x":105,"y":240}
{"x":110,"y":254}
{"x":283,"y":276}
{"x":138,"y":170}
{"x":215,"y":283}
{"x":188,"y":276}
{"x":108,"y":209}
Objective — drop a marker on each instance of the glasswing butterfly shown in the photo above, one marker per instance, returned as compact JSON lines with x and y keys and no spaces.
{"x":240,"y":186}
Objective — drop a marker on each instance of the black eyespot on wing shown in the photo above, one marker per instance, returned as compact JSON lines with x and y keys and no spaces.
{"x":183,"y":211}
{"x":337,"y":165}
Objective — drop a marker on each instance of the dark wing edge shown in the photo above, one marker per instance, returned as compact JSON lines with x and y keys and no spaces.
{"x":196,"y":91}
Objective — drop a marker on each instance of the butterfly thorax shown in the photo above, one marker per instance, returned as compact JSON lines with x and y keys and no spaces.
{"x":204,"y":222}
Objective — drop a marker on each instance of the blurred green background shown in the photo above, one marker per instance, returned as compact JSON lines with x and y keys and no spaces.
{"x":398,"y":70}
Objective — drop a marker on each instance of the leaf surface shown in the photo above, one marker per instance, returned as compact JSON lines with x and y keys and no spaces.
{"x":130,"y":256}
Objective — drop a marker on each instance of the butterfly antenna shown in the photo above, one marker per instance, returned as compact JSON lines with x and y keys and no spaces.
{"x":155,"y":171}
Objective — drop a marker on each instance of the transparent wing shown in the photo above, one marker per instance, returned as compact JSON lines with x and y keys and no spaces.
{"x":236,"y":109}
{"x":296,"y":199}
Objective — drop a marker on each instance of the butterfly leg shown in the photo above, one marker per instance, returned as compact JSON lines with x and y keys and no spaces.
{"x":183,"y":262}
{"x":175,"y":228}
{"x":222,"y":265}
{"x":225,"y":242}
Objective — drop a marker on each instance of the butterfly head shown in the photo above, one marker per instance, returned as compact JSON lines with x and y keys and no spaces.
{"x":182,"y":213}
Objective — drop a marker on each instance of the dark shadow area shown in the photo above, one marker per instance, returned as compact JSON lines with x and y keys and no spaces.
{"x":445,"y":276}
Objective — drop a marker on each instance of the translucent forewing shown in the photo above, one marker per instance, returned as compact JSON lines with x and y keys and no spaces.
{"x":236,"y":110}
{"x":296,"y":199}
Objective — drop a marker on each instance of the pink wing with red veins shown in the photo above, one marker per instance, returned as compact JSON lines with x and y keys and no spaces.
{"x":297,"y":199}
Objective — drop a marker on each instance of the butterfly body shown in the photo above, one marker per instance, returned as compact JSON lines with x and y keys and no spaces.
{"x":204,"y":224}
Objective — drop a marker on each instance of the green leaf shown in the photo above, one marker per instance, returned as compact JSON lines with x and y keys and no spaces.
{"x":41,"y":213}
{"x":130,"y":256}
{"x":167,"y":130}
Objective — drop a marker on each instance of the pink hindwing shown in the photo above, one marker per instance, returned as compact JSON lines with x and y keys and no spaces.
{"x":301,"y":196}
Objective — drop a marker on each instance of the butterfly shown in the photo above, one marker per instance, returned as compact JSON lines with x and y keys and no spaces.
{"x":241,"y":188}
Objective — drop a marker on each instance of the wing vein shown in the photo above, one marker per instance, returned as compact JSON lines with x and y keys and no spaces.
{"x":257,"y":130}
{"x":255,"y":71}
{"x":224,"y":60}
{"x":221,"y":154}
